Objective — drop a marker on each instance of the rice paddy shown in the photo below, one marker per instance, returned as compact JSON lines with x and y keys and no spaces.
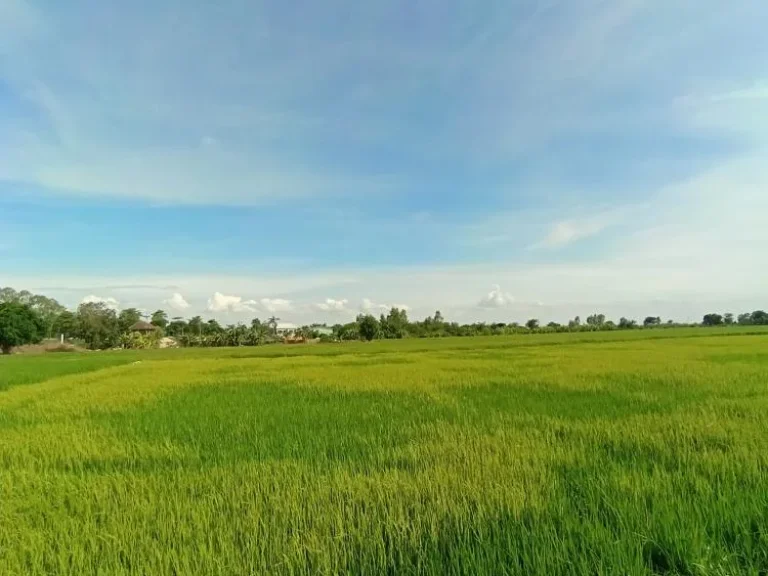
{"x":613,"y":453}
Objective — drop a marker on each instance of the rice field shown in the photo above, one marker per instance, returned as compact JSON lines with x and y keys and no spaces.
{"x":611,"y":453}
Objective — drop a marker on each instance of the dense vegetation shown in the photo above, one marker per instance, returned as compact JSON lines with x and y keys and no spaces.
{"x":638,"y":452}
{"x":19,"y":324}
{"x":97,"y":326}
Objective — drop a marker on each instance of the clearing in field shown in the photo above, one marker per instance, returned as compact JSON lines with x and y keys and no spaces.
{"x":526,"y":455}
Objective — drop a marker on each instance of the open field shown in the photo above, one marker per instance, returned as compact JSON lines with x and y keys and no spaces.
{"x":640,"y":452}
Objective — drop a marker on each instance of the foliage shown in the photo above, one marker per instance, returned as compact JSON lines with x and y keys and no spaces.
{"x":97,"y":325}
{"x":596,"y":320}
{"x":756,"y":318}
{"x":46,"y":308}
{"x":395,"y":324}
{"x":19,"y":325}
{"x":712,"y":320}
{"x":368,"y":327}
{"x":627,"y":324}
{"x":642,"y":452}
{"x":159,"y":319}
{"x":66,"y":324}
{"x":101,"y":328}
{"x":137,"y":341}
{"x":349,"y":331}
{"x":177,"y":327}
{"x":195,"y":326}
{"x":127,"y":318}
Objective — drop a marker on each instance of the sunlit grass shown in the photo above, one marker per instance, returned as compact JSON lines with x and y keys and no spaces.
{"x":559,"y":455}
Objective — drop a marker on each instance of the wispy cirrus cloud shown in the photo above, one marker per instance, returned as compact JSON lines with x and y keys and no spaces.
{"x":558,"y":124}
{"x":567,"y":232}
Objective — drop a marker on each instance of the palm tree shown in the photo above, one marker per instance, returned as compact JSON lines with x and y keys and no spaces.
{"x":272,"y":322}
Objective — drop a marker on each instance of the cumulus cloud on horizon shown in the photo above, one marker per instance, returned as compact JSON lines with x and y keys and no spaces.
{"x":177,"y":302}
{"x":225,"y":303}
{"x":496,"y":298}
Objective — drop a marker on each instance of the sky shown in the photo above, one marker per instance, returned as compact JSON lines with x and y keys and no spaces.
{"x":496,"y":160}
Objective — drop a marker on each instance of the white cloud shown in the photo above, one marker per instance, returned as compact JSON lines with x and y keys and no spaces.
{"x":496,"y":298}
{"x":666,"y":270}
{"x":275,"y":305}
{"x":332,"y":305}
{"x":367,"y":305}
{"x":79,"y":92}
{"x":177,"y":302}
{"x":569,"y":231}
{"x":223,"y":303}
{"x":109,"y":302}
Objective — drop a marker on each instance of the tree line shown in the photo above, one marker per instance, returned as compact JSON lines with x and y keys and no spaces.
{"x":27,"y":318}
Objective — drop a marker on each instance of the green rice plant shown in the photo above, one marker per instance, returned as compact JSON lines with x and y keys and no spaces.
{"x":553,"y":454}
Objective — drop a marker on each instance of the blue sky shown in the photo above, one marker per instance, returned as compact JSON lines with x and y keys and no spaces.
{"x":494,"y":159}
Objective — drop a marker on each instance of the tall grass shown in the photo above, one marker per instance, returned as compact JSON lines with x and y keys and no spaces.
{"x":477,"y":456}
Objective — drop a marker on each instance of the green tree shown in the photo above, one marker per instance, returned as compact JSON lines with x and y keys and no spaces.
{"x":127,"y":318}
{"x":159,"y":319}
{"x":651,"y":321}
{"x":745,"y":319}
{"x":259,"y":332}
{"x":272,"y":323}
{"x":729,"y":319}
{"x":19,"y":325}
{"x":195,"y":326}
{"x":8,"y":294}
{"x":368,"y":327}
{"x":395,"y":324}
{"x":47,"y":308}
{"x":66,"y":324}
{"x":759,"y":318}
{"x":627,"y":324}
{"x":176,"y":327}
{"x":97,"y":325}
{"x":532,"y":324}
{"x":596,"y":320}
{"x":212,"y":327}
{"x":712,"y":320}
